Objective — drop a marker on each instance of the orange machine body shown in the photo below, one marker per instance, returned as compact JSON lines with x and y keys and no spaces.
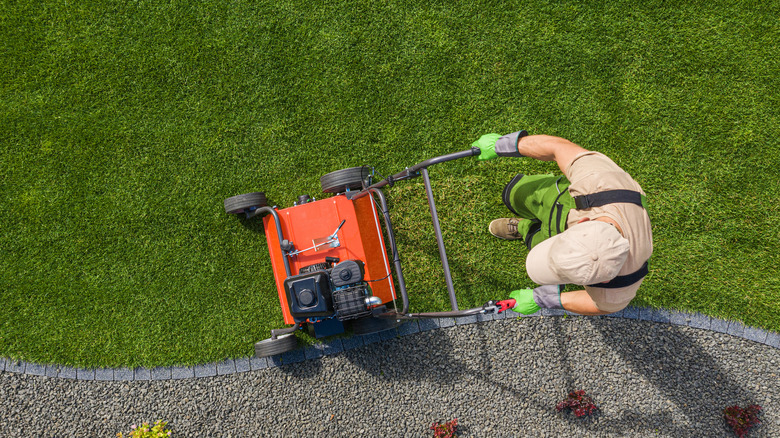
{"x":360,"y":238}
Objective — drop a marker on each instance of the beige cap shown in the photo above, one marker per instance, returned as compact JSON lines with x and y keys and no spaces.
{"x":587,"y":253}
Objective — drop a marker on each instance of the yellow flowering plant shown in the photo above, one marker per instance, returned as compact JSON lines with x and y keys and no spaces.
{"x":145,"y":431}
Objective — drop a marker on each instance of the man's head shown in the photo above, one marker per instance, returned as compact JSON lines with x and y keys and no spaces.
{"x":587,"y":253}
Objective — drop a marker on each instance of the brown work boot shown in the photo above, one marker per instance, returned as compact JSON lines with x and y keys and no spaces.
{"x":505,"y":228}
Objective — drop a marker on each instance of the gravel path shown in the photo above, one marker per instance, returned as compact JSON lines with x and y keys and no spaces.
{"x":499,"y":378}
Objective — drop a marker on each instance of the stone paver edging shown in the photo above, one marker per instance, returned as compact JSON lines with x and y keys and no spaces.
{"x":334,"y":346}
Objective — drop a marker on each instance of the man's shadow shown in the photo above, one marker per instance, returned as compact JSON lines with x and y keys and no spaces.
{"x":677,"y":366}
{"x":667,"y":357}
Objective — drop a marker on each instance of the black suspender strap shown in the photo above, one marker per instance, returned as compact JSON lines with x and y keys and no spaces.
{"x":613,"y":197}
{"x":608,"y":197}
{"x":624,"y":280}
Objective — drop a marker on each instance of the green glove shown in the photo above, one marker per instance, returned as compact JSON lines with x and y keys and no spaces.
{"x":528,"y":301}
{"x":486,"y":144}
{"x":524,"y":301}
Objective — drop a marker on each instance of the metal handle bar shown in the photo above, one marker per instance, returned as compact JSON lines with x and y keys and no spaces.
{"x":449,"y":157}
{"x":393,"y":249}
{"x":491,"y":307}
{"x":279,"y":235}
{"x":412,"y":172}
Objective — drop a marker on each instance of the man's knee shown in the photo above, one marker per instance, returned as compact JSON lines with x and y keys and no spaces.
{"x":506,"y":195}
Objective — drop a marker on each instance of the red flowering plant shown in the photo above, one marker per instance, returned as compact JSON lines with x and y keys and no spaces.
{"x":578,"y":402}
{"x":741,"y":420}
{"x":445,"y":430}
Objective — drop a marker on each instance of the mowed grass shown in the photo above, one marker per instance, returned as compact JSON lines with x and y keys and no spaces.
{"x":124,"y":126}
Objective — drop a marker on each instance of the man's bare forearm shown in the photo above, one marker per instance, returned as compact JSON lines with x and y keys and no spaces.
{"x":549,"y":148}
{"x":580,"y":302}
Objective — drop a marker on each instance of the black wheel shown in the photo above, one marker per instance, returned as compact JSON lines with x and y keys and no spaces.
{"x":366,"y":326}
{"x":246,"y":202}
{"x":271,"y":347}
{"x":340,"y":180}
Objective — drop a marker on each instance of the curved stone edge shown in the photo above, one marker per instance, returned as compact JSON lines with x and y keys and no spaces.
{"x":338,"y":345}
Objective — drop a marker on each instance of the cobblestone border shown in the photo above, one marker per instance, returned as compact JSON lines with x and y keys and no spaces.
{"x":334,"y":346}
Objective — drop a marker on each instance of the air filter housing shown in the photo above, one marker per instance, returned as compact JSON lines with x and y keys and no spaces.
{"x":309,"y":295}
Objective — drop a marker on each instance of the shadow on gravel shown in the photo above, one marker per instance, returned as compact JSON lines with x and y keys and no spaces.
{"x":647,"y":353}
{"x":687,"y":377}
{"x":422,"y":356}
{"x":678,"y":367}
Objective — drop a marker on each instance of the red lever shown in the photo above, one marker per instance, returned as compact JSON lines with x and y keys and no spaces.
{"x":505,"y":304}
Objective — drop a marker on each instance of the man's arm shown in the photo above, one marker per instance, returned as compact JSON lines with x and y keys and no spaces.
{"x":549,"y":148}
{"x":529,"y":301}
{"x":580,"y":302}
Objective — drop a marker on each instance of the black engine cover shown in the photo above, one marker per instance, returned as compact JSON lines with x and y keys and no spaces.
{"x":309,"y":295}
{"x":347,"y":273}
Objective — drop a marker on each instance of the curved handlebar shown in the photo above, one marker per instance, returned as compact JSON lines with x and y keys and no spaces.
{"x":449,"y":157}
{"x":411,"y":172}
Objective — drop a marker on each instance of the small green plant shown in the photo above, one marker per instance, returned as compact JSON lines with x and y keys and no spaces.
{"x":580,"y":403}
{"x":445,"y":430}
{"x":145,"y":431}
{"x":741,"y":420}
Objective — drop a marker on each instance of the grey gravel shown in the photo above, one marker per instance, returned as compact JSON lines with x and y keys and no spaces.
{"x":499,"y":378}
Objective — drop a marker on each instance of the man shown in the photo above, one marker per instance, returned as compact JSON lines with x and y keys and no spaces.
{"x":588,"y":227}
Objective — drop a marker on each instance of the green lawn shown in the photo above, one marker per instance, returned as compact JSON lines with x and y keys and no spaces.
{"x":124,"y":125}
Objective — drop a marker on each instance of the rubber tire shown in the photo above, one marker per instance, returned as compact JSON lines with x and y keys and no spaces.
{"x":241,"y":203}
{"x":369,"y":325}
{"x":271,"y":346}
{"x":340,"y":180}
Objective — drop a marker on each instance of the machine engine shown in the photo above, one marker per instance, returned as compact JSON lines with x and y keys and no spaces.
{"x":321,"y":292}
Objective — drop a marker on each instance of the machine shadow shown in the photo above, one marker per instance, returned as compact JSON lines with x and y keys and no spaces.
{"x":254,"y":224}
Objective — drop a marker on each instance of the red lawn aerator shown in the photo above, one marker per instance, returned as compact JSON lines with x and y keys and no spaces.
{"x":330,"y":261}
